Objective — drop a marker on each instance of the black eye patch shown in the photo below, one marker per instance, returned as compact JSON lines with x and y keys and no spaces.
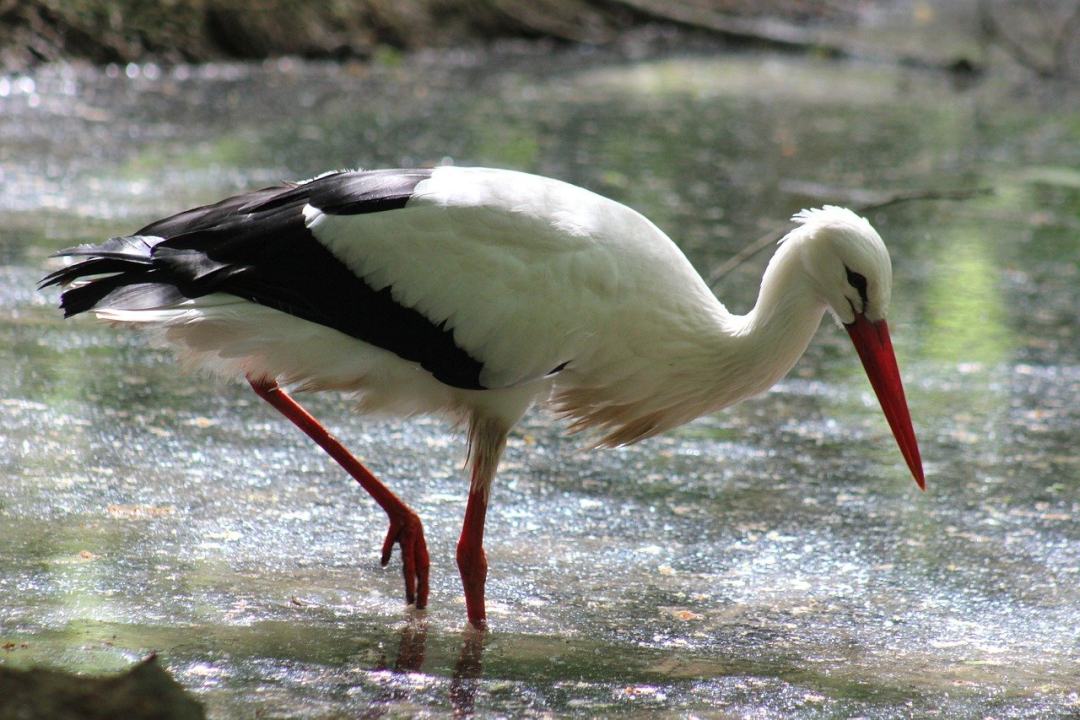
{"x":858,"y":282}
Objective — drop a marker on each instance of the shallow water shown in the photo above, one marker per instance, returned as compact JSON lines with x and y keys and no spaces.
{"x":775,"y":560}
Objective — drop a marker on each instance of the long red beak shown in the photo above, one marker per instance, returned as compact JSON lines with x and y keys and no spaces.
{"x":876,"y":352}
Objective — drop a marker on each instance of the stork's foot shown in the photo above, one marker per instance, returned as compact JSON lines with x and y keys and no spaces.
{"x":407,"y":531}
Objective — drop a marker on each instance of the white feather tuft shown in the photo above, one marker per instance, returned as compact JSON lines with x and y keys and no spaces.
{"x":828,"y":215}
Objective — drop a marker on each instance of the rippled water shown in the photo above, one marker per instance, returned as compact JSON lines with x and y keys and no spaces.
{"x":772,"y":561}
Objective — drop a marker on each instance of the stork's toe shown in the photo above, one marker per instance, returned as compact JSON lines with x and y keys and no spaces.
{"x":407,"y":531}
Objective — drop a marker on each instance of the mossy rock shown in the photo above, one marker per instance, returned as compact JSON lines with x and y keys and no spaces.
{"x":143,"y":692}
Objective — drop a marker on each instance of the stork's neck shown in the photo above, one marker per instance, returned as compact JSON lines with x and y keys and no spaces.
{"x":774,"y":335}
{"x":707,"y":358}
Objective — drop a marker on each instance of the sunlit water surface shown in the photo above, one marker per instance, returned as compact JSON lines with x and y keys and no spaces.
{"x":775,"y":560}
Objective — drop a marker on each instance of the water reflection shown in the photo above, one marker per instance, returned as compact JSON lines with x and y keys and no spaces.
{"x":412,"y":642}
{"x":965,"y":313}
{"x":410,"y":656}
{"x":467,"y":673}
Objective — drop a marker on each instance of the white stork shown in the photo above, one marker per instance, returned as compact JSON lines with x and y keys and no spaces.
{"x":474,"y":293}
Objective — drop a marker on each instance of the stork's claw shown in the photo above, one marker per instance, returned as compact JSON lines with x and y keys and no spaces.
{"x":407,"y":531}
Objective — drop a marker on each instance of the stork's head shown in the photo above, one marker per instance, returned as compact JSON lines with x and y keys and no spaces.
{"x":847,"y":262}
{"x":849,"y":267}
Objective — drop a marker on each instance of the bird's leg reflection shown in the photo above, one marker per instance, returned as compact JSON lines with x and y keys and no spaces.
{"x":410,"y":654}
{"x":467,"y":673}
{"x":410,"y":657}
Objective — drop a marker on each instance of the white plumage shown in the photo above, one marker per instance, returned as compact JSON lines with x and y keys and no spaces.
{"x":475,"y":293}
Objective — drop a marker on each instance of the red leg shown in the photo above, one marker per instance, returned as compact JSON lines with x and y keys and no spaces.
{"x":487,"y":438}
{"x":405,"y":526}
{"x":472,"y":562}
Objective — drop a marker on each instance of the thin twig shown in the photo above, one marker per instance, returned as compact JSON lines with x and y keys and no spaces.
{"x":743,"y":255}
{"x":896,"y":198}
{"x":912,"y":195}
{"x":1066,"y":35}
{"x":993,"y":30}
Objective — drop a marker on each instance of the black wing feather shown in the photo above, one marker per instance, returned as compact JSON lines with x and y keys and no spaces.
{"x":257,"y":247}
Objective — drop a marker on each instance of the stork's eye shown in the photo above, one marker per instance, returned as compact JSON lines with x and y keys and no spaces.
{"x":858,"y":282}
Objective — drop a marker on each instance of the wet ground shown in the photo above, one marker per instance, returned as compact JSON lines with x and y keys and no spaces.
{"x":773,"y":561}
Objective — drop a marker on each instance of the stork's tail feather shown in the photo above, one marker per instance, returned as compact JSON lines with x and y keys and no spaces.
{"x":116,"y":274}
